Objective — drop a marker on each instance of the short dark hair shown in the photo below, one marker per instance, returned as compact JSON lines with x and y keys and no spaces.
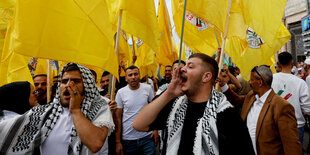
{"x":209,"y":62}
{"x":40,"y":75}
{"x":168,"y":66}
{"x":71,"y":67}
{"x":132,"y":67}
{"x":57,"y":76}
{"x":285,"y":58}
{"x":105,"y":73}
{"x":94,"y":73}
{"x":177,"y":61}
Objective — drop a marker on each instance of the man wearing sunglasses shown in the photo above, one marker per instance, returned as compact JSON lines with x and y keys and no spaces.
{"x":78,"y":120}
{"x":270,"y":119}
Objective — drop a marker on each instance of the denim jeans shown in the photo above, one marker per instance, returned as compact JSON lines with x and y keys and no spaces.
{"x":145,"y":146}
{"x":301,"y":135}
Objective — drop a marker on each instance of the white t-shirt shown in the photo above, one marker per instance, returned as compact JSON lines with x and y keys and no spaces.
{"x":295,"y":91}
{"x":308,"y":81}
{"x":132,"y":101}
{"x":58,"y":140}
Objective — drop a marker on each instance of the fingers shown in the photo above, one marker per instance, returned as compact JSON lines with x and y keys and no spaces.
{"x":70,"y":88}
{"x":112,"y":105}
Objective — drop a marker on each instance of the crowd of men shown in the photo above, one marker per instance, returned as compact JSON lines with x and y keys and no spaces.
{"x":185,"y":115}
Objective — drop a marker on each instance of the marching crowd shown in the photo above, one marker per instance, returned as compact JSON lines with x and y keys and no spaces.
{"x":180,"y":113}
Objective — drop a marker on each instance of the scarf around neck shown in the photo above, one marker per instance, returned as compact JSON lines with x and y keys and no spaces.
{"x":25,"y":134}
{"x":206,"y":139}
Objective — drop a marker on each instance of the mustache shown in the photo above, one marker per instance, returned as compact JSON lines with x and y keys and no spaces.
{"x":40,"y":89}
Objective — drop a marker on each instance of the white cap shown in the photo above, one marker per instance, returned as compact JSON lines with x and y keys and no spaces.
{"x":307,"y":61}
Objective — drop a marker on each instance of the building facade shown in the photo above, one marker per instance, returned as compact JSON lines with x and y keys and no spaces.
{"x":294,"y":12}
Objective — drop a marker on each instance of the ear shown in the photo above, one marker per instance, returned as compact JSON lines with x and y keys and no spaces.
{"x":292,"y":63}
{"x":206,"y":77}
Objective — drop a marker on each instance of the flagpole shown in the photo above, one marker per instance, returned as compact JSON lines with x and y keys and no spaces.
{"x":183,"y":20}
{"x":48,"y":93}
{"x":133,"y":47}
{"x":169,"y":30}
{"x":224,"y":41}
{"x":217,"y":39}
{"x":112,"y":90}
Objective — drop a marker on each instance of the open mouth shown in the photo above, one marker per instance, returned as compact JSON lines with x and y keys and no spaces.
{"x":66,"y":95}
{"x":184,"y":79}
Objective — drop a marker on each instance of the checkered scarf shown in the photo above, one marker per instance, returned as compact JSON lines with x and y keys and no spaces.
{"x":26,"y":133}
{"x":206,"y":139}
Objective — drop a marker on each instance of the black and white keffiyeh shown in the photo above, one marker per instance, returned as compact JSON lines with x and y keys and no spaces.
{"x":206,"y":139}
{"x":25,"y":134}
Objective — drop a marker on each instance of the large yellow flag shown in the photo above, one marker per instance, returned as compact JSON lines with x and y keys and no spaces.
{"x":6,"y":14}
{"x":146,"y":60}
{"x":246,"y":47}
{"x":7,"y":3}
{"x":210,"y":11}
{"x":124,"y":49}
{"x":13,"y":66}
{"x":198,"y":35}
{"x":74,"y":31}
{"x":139,"y":19}
{"x":166,"y":54}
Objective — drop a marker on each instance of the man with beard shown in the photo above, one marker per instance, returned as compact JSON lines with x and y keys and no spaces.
{"x":175,"y":65}
{"x":270,"y":119}
{"x":104,"y":83}
{"x":40,"y":83}
{"x":130,"y":100}
{"x":167,"y":77}
{"x":200,"y":120}
{"x":76,"y":122}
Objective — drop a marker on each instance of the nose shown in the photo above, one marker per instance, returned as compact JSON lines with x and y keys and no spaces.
{"x":183,"y":70}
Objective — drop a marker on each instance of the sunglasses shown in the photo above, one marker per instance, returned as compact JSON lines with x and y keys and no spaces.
{"x":256,"y":71}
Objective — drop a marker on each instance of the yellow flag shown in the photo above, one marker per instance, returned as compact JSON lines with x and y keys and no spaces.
{"x":139,"y":19}
{"x":13,"y":66}
{"x":246,"y":47}
{"x":210,"y":11}
{"x":145,"y":60}
{"x":264,"y":19}
{"x":198,"y":35}
{"x":7,"y":3}
{"x":124,"y":49}
{"x":41,"y":67}
{"x":6,"y":15}
{"x":74,"y":31}
{"x":166,"y":54}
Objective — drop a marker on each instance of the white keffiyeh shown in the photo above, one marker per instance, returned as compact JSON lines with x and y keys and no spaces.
{"x":25,"y":134}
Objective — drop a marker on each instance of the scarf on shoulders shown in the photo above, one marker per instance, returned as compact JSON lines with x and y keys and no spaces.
{"x":206,"y":139}
{"x":25,"y":134}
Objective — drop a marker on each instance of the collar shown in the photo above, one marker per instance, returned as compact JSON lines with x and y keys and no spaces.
{"x":264,"y":97}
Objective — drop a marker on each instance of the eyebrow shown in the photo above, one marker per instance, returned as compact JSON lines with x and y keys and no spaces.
{"x":189,"y":63}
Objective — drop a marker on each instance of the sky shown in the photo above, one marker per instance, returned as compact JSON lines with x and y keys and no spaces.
{"x":168,"y":3}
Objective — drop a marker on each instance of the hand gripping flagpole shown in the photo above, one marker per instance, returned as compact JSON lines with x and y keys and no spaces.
{"x":183,"y":20}
{"x":224,"y":41}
